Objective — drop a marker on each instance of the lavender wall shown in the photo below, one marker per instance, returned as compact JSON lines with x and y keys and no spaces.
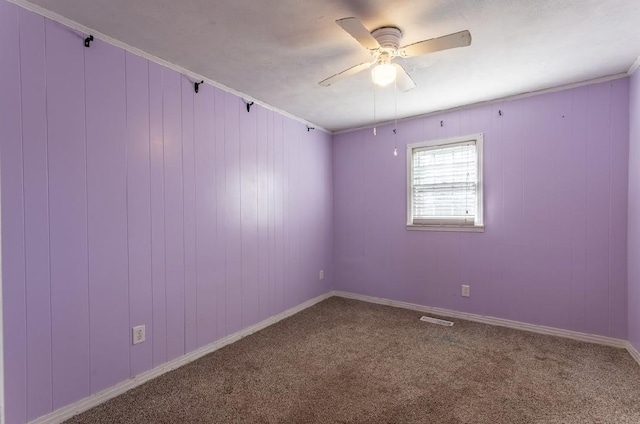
{"x":126,"y":200}
{"x":634,"y":212}
{"x":554,"y":249}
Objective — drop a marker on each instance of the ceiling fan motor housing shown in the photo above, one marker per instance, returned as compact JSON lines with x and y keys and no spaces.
{"x":388,"y":37}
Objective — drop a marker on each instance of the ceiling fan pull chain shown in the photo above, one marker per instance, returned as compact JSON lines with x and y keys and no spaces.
{"x":374,"y":111}
{"x":395,"y":125}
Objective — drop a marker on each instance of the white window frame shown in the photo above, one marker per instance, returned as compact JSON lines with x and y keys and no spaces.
{"x":452,"y":224}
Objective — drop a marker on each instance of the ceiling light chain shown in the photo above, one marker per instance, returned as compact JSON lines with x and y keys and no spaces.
{"x":374,"y":110}
{"x":395,"y":126}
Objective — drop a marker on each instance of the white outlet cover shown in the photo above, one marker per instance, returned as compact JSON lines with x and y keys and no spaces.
{"x":466,"y":290}
{"x":321,"y":275}
{"x":138,"y":334}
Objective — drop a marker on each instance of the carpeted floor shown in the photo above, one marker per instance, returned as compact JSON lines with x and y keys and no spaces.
{"x":344,"y":361}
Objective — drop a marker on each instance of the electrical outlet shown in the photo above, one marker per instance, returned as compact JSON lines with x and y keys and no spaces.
{"x":138,"y":334}
{"x":321,"y":275}
{"x":466,"y":291}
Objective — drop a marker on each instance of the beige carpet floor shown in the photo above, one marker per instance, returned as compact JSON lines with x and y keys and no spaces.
{"x":344,"y":361}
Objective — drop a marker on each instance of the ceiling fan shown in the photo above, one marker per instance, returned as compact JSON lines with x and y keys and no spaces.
{"x":384,"y":46}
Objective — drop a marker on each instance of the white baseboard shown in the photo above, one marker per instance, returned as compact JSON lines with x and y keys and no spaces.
{"x":541,"y":329}
{"x":633,"y":352}
{"x":66,"y":412}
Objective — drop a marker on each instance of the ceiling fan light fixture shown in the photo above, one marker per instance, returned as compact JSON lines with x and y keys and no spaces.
{"x":383,"y":74}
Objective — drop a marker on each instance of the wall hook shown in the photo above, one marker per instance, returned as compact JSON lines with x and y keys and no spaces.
{"x":442,"y":123}
{"x":196,"y":85}
{"x":500,"y":112}
{"x":394,"y":131}
{"x":88,"y":40}
{"x":249,"y":104}
{"x":310,"y":128}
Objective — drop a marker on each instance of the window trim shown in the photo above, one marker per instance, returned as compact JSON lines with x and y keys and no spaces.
{"x":452,"y":225}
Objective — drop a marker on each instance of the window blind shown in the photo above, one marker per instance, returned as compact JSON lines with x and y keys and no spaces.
{"x":445,"y":180}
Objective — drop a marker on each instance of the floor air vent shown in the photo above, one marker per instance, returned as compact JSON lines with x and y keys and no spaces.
{"x":436,"y":321}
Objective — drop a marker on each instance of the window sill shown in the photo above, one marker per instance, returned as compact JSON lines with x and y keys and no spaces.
{"x":456,"y":228}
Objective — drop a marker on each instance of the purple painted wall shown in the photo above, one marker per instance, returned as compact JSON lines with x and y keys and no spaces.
{"x":127,"y":199}
{"x":634,"y":212}
{"x":554,"y":249}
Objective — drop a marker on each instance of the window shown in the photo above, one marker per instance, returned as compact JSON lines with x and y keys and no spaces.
{"x":444,"y":184}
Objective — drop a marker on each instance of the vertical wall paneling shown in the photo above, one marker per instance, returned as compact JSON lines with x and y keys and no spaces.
{"x":300,"y":283}
{"x":618,"y":188}
{"x":262,"y":213}
{"x":382,"y":151}
{"x":36,"y":214}
{"x":130,"y":200}
{"x":559,"y":248}
{"x":174,"y":212}
{"x":286,"y":217}
{"x":598,"y":180}
{"x":67,"y":214}
{"x":271,"y":199}
{"x":428,"y":261}
{"x":536,"y":213}
{"x":633,"y":214}
{"x":493,"y":206}
{"x":233,"y":213}
{"x":139,"y":210}
{"x":206,"y":260}
{"x":578,"y":187}
{"x":107,"y":212}
{"x":326,"y":210}
{"x":555,"y":178}
{"x":278,"y":235}
{"x":480,"y":264}
{"x":249,"y":216}
{"x":13,"y":231}
{"x":220,"y":189}
{"x":341,"y":158}
{"x":311,"y":256}
{"x":295,"y":177}
{"x":189,"y":195}
{"x":513,"y":253}
{"x":157,"y":155}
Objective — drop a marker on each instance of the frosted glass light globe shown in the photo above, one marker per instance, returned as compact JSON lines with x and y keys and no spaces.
{"x":383,"y":74}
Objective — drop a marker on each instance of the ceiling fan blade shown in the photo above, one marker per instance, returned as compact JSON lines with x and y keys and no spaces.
{"x":346,"y":73}
{"x":404,"y":82}
{"x":355,"y":28}
{"x":451,"y":41}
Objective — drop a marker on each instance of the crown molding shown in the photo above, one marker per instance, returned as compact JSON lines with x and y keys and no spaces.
{"x":138,"y":52}
{"x":634,"y":67}
{"x":490,"y":102}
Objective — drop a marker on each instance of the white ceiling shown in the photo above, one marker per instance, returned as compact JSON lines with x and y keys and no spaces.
{"x":277,"y":51}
